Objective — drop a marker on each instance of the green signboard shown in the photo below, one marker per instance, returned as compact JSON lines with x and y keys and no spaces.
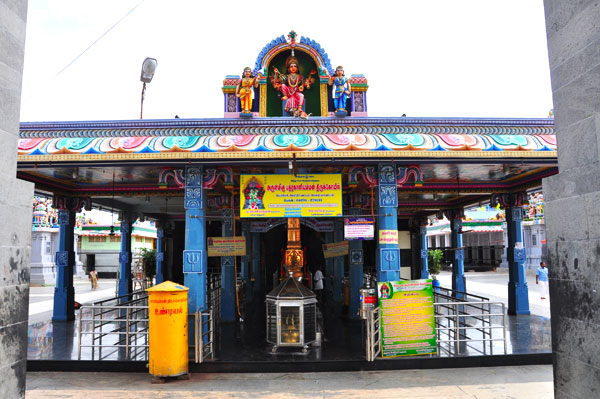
{"x":407,"y":318}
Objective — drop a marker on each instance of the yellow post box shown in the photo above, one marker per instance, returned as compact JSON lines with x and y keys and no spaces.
{"x":168,"y":314}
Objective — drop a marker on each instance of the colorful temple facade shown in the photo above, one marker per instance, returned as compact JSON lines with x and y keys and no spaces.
{"x":290,"y":118}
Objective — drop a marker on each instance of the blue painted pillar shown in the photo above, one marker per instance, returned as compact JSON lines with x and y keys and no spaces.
{"x":388,"y":254}
{"x":228,"y":272}
{"x":160,"y":254}
{"x":246,"y":261}
{"x":125,"y":283}
{"x":338,"y":264}
{"x":355,"y":272}
{"x":256,"y":266}
{"x":424,"y":254}
{"x":458,"y":262}
{"x":518,"y":291}
{"x":328,"y":265}
{"x":64,"y":293}
{"x":194,"y":255}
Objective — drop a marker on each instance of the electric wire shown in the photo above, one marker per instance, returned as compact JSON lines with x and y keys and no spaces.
{"x":99,"y":38}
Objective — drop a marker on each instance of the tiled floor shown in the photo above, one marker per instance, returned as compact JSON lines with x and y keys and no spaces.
{"x":343,"y":339}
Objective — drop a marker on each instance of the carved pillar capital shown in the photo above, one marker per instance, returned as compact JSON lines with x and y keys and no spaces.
{"x":75,"y":204}
{"x":509,"y":200}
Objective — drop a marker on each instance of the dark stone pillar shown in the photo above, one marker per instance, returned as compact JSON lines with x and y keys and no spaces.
{"x":458,"y":262}
{"x":328,"y":266}
{"x":246,"y":261}
{"x":256,"y":266}
{"x":355,"y":272}
{"x":228,"y":278}
{"x":338,"y":264}
{"x":160,"y":254}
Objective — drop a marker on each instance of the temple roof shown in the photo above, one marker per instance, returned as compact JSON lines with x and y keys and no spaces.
{"x":442,"y":162}
{"x":278,"y":137}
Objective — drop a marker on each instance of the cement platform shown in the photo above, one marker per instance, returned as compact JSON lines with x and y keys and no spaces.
{"x":481,"y":383}
{"x":53,"y":345}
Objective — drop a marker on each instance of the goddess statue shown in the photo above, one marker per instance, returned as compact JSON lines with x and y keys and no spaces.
{"x":341,"y":90}
{"x":291,"y":86}
{"x":245,"y":92}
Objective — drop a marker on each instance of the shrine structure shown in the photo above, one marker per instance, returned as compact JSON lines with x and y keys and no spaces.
{"x":292,"y":120}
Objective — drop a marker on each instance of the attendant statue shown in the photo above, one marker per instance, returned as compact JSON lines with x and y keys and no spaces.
{"x":340,"y":91}
{"x":291,"y":86}
{"x":245,"y":91}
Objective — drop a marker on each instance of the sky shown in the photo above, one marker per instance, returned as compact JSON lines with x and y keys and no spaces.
{"x":422,"y":58}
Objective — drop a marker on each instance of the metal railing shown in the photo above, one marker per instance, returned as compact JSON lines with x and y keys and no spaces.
{"x":118,"y":328}
{"x":373,"y":334}
{"x":471,"y":323}
{"x":115,"y":327}
{"x":206,"y":323}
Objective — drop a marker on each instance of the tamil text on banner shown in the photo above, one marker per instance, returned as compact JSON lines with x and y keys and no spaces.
{"x":264,"y":196}
{"x":226,"y":246}
{"x":334,"y":249}
{"x":407,"y":318}
{"x":388,"y":237}
{"x":359,"y":228}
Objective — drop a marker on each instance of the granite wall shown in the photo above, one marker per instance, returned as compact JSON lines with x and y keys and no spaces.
{"x":15,"y":206}
{"x":573,"y":197}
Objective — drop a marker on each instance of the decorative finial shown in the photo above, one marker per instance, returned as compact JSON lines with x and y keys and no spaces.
{"x":292,"y":37}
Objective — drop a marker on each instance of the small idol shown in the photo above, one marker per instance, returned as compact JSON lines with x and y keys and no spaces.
{"x":340,"y":91}
{"x":291,"y":86}
{"x":245,"y":91}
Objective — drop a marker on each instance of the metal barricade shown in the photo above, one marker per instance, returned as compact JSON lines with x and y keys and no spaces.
{"x":373,"y":334}
{"x":470,"y":323}
{"x":118,"y":327}
{"x":206,"y":323}
{"x":115,"y":327}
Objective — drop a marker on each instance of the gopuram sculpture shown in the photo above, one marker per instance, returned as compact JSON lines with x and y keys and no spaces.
{"x":245,"y":91}
{"x":341,"y":91}
{"x":291,"y":86}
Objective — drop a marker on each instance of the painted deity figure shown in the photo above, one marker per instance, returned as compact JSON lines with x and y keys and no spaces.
{"x":291,"y":86}
{"x":341,"y":89}
{"x":245,"y":91}
{"x":253,"y":194}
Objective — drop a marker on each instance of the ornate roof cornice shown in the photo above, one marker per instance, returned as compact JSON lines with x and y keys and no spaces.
{"x":285,"y":126}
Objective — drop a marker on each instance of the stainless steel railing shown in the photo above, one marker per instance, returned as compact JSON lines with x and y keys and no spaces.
{"x":472,"y":326}
{"x":116,"y":327}
{"x":373,"y":334}
{"x":463,"y":325}
{"x":206,"y":323}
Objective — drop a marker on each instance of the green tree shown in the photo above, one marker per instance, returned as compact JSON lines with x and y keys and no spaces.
{"x":435,"y":262}
{"x":149,"y":259}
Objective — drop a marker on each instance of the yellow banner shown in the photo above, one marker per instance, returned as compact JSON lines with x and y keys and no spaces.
{"x":267,"y":196}
{"x":226,"y":246}
{"x":335,"y":249}
{"x":388,"y":237}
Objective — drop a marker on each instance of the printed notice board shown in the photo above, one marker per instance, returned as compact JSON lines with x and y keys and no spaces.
{"x":226,"y":246}
{"x":334,"y":249}
{"x":407,"y":318}
{"x":265,"y":196}
{"x":359,"y":228}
